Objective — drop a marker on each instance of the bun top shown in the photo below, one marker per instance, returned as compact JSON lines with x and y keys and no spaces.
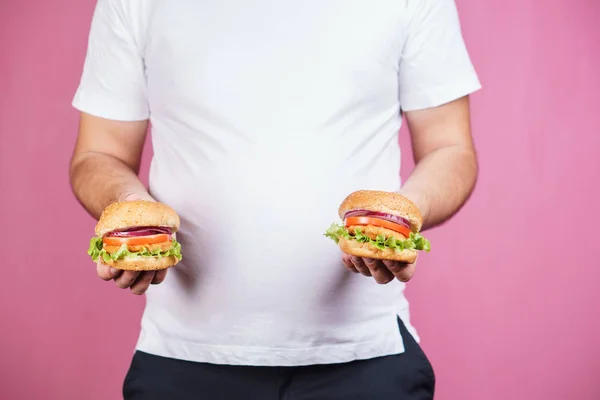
{"x":142,"y":213}
{"x":384,"y":202}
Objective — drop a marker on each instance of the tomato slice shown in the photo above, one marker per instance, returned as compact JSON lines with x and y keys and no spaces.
{"x":382,"y":223}
{"x":135,"y":240}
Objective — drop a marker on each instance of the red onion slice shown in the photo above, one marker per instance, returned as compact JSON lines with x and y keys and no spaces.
{"x":141,"y":231}
{"x":388,"y":217}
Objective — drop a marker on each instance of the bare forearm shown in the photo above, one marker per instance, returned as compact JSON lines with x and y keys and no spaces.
{"x":441,"y":183}
{"x":99,"y":179}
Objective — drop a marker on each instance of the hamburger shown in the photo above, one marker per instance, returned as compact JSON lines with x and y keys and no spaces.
{"x":137,"y":236}
{"x":379,"y":225}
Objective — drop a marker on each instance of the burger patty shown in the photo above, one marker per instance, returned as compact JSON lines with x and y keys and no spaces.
{"x":164,"y":246}
{"x":373,"y":231}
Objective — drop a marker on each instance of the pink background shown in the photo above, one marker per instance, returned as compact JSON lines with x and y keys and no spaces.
{"x":507,"y":304}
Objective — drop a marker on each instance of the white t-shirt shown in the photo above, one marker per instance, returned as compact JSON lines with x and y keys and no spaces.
{"x":265,"y":115}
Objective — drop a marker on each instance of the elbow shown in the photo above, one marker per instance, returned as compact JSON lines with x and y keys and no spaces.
{"x":77,"y":168}
{"x":75,"y":165}
{"x":468,"y":160}
{"x":72,"y":171}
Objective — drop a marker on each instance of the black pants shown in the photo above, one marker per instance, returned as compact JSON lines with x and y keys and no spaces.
{"x":406,"y":376}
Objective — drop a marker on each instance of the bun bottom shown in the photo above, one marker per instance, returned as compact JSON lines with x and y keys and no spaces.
{"x":142,"y":263}
{"x":367,"y":250}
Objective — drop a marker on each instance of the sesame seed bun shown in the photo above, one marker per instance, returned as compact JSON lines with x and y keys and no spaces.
{"x":385,"y":202}
{"x":367,"y":250}
{"x":127,"y":214}
{"x":142,"y":263}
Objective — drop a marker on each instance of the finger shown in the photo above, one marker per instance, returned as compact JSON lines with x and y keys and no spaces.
{"x":380,"y":273}
{"x":126,"y":279}
{"x":106,"y":272}
{"x":159,"y":276}
{"x":402,"y":271}
{"x":359,"y":264}
{"x":348,"y":263}
{"x":142,"y":283}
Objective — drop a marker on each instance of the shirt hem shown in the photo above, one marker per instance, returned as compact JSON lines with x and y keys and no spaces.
{"x":386,"y":343}
{"x":223,"y":355}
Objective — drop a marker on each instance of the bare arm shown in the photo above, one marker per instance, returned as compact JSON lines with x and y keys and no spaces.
{"x":106,"y":161}
{"x":104,"y":169}
{"x":446,"y":162}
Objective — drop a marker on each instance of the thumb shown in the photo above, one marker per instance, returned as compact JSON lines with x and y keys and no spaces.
{"x":137,"y":196}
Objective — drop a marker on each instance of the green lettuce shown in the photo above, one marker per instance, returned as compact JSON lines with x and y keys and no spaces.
{"x":414,"y":242}
{"x":96,"y":251}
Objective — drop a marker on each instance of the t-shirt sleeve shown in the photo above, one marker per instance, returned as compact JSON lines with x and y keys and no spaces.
{"x":113,"y":82}
{"x":435,"y":67}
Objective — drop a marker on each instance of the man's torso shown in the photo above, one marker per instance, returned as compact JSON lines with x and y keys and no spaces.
{"x":265,"y":115}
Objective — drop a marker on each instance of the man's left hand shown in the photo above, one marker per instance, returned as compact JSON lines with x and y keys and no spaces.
{"x":383,"y":271}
